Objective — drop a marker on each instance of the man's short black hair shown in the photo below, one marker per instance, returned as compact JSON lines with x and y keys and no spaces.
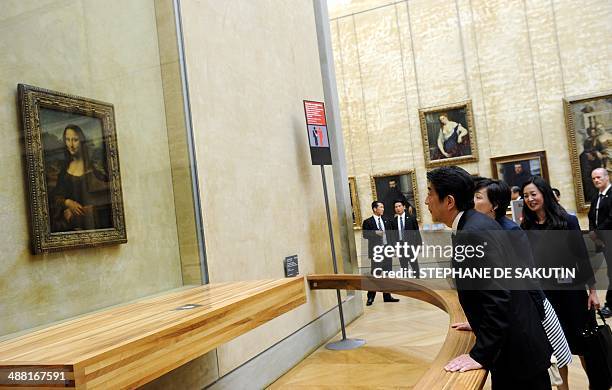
{"x":455,"y":181}
{"x":557,"y":192}
{"x":402,"y":201}
{"x":375,"y":204}
{"x":499,"y":195}
{"x":516,"y":189}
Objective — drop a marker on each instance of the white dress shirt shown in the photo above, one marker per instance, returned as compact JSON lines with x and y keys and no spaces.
{"x":456,"y":221}
{"x":381,"y":225}
{"x":400,"y":229}
{"x":604,"y":192}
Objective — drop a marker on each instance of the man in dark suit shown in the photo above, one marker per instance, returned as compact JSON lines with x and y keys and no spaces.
{"x":600,"y":225}
{"x":376,"y":230}
{"x":405,"y":229}
{"x":510,"y":339}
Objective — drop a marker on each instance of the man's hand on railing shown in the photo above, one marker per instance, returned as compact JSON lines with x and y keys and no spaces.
{"x":461,"y":326}
{"x":462,"y":363}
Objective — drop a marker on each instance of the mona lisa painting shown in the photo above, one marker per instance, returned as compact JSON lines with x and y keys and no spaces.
{"x":73,"y":172}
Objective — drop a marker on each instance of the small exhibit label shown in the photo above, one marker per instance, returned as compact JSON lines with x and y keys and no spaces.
{"x":291,"y":266}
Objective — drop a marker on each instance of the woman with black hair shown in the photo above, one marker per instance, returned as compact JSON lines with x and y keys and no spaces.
{"x":81,"y":198}
{"x":563,"y":248}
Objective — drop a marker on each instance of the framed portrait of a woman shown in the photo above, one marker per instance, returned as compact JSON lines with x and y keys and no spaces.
{"x":588,"y":120}
{"x":73,"y":174}
{"x":448,"y":134}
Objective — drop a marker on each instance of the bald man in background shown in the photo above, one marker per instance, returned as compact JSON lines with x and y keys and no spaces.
{"x":600,"y":225}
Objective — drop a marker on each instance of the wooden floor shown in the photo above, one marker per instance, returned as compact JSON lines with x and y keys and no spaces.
{"x":402,"y":339}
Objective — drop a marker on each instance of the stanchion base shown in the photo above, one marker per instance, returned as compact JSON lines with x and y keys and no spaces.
{"x":345,"y":345}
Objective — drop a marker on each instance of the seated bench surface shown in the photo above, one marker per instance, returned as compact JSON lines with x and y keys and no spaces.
{"x":132,"y":344}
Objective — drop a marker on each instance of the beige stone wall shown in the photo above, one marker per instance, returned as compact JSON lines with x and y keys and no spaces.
{"x":106,"y":50}
{"x":250,"y":64}
{"x":515,"y":60}
{"x":249,"y":67}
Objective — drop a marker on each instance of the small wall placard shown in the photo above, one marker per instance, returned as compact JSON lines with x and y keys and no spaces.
{"x":291,"y":266}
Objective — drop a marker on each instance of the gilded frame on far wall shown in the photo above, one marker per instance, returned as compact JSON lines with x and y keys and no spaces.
{"x":72,"y":171}
{"x":389,"y":198}
{"x":532,"y":164}
{"x":588,"y":122}
{"x":459,"y":152}
{"x":355,"y":203}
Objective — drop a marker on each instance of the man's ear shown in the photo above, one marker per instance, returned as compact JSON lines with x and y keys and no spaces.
{"x":450,"y":201}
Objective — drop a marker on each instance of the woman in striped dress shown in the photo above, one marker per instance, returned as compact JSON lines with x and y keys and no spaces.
{"x":492,"y":198}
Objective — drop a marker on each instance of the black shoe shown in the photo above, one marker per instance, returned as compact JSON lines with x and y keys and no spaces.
{"x":370,"y":302}
{"x":606,"y":312}
{"x":391,"y":299}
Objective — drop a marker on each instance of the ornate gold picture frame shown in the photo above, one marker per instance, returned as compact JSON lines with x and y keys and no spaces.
{"x":390,"y":186}
{"x":355,"y":203}
{"x":588,"y":121}
{"x":517,"y":168}
{"x":448,"y":134}
{"x":72,"y":168}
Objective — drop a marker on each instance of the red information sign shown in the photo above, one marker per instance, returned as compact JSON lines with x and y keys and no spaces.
{"x":315,"y":113}
{"x":316,"y":126}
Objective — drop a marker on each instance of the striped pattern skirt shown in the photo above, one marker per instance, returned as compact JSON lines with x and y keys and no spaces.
{"x":555,"y":335}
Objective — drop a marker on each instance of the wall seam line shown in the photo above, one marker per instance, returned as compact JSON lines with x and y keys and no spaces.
{"x":533,"y":73}
{"x":348,"y":117}
{"x":416,"y":74}
{"x":552,"y":6}
{"x":399,"y":38}
{"x":482,"y":92}
{"x":363,"y":100}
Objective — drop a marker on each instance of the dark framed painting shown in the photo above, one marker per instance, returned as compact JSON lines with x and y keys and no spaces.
{"x":448,"y":134}
{"x":588,"y":121}
{"x":518,"y":168}
{"x":355,"y":203}
{"x":72,"y":169}
{"x":389,"y":187}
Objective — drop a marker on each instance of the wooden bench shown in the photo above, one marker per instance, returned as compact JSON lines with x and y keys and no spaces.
{"x":130,"y":345}
{"x":456,"y":342}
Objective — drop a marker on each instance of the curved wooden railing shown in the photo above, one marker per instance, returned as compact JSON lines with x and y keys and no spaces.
{"x":456,"y":342}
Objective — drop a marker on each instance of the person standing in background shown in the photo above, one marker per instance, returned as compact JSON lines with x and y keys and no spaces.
{"x":376,"y":230}
{"x":557,"y":194}
{"x":405,"y":229}
{"x":516,"y":193}
{"x":600,"y":226}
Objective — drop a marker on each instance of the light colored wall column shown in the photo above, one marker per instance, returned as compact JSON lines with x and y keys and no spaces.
{"x":178,"y":142}
{"x":334,"y":127}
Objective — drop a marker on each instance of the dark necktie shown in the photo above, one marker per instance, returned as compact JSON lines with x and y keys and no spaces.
{"x":597,"y":209}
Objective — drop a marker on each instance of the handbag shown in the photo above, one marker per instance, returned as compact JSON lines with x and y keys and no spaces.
{"x":598,"y":354}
